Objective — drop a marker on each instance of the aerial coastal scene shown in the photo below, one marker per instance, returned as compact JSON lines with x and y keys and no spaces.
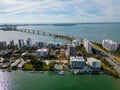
{"x":59,"y":45}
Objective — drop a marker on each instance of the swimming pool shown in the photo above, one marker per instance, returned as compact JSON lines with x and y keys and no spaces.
{"x":58,"y":66}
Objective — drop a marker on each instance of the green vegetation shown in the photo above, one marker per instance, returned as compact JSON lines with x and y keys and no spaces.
{"x":117,"y":53}
{"x":28,"y":67}
{"x":106,"y":66}
{"x":31,"y":57}
{"x":51,"y":65}
{"x":64,"y":37}
{"x":81,"y":48}
{"x":50,"y":57}
{"x":38,"y":65}
{"x":83,"y":52}
{"x":117,"y":59}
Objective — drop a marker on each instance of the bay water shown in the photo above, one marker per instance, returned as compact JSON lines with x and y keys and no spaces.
{"x":23,"y":80}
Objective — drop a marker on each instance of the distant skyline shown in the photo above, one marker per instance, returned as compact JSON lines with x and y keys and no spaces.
{"x":59,"y":11}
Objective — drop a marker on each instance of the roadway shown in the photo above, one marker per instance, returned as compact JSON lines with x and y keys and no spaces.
{"x":110,"y":59}
{"x":114,"y":63}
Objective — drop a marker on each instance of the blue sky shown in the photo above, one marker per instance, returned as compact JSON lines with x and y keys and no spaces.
{"x":59,"y":11}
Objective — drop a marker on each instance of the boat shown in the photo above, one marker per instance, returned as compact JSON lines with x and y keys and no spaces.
{"x":75,"y":72}
{"x":61,"y":72}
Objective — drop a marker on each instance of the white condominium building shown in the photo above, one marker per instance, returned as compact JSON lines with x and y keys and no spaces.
{"x":94,"y":63}
{"x":109,"y":45}
{"x":21,"y":43}
{"x":88,"y":46}
{"x":29,"y":42}
{"x":77,"y":62}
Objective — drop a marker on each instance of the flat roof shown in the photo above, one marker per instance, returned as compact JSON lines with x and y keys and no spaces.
{"x":43,"y":49}
{"x":77,"y":59}
{"x":93,"y":59}
{"x":110,"y":41}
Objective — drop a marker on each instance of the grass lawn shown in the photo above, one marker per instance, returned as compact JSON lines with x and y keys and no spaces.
{"x":28,"y":67}
{"x":117,"y":59}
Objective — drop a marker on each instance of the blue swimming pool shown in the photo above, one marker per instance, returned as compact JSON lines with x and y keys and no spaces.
{"x":58,"y":66}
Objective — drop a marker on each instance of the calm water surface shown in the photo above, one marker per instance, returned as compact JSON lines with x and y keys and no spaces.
{"x":20,"y":80}
{"x":23,"y":80}
{"x":94,"y":32}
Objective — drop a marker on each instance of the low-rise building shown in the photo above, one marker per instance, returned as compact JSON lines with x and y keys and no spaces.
{"x":109,"y":45}
{"x":1,"y":59}
{"x":21,"y":64}
{"x":94,"y":63}
{"x":42,"y":52}
{"x":77,"y":62}
{"x":6,"y":65}
{"x":14,"y":64}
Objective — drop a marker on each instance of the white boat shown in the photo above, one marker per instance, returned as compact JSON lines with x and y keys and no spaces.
{"x":61,"y":72}
{"x":75,"y":72}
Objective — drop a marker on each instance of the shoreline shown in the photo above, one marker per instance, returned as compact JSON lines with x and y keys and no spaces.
{"x":69,"y":38}
{"x":53,"y":71}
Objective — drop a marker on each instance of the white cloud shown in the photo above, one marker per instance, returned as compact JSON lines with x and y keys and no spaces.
{"x":60,"y":10}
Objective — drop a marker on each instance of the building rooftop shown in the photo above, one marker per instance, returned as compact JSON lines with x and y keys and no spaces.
{"x":93,"y":59}
{"x":43,"y":49}
{"x":77,"y":58}
{"x":110,"y":41}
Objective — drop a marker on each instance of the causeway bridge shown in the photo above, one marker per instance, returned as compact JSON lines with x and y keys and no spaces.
{"x":55,"y":35}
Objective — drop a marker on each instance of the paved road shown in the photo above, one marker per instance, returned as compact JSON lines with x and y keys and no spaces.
{"x":114,"y":63}
{"x":109,"y":59}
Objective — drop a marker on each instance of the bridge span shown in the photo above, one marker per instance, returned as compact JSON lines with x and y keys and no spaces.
{"x":55,"y":35}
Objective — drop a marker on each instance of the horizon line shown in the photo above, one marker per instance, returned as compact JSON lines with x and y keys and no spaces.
{"x":60,"y":23}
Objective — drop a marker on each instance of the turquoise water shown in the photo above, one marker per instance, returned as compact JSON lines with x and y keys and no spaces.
{"x":94,"y":32}
{"x":21,"y":80}
{"x":58,"y":67}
